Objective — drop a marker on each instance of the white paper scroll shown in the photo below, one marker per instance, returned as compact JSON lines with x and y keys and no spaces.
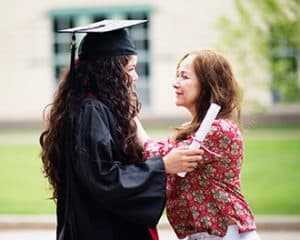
{"x":204,"y":128}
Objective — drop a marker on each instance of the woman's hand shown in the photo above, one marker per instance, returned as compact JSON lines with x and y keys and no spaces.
{"x":182,"y":159}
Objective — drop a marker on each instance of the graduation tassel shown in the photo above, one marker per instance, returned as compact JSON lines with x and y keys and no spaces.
{"x":72,"y":62}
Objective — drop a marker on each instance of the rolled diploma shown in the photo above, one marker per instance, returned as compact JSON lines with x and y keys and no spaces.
{"x":204,"y":128}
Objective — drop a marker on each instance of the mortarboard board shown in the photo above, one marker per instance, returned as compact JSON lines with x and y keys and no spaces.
{"x":104,"y":38}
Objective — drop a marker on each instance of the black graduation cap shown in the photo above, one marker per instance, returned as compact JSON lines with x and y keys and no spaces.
{"x":104,"y":38}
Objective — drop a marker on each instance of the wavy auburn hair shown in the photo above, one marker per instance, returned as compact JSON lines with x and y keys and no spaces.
{"x":217,"y":85}
{"x":106,"y":79}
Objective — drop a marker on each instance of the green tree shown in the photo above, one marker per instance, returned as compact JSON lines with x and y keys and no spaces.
{"x":268,"y":30}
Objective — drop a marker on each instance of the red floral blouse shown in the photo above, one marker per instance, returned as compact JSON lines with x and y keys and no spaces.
{"x":209,"y":197}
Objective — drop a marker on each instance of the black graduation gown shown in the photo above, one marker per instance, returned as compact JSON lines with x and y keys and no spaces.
{"x":102,"y":196}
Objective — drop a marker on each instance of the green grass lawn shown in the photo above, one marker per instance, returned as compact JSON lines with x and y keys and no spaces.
{"x":270,"y":177}
{"x":23,"y":189}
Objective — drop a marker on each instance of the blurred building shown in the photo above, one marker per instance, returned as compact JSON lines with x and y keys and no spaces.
{"x":33,"y":54}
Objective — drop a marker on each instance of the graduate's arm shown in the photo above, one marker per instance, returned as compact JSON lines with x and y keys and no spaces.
{"x":133,"y":191}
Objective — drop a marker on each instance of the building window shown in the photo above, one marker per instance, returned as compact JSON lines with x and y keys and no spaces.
{"x":67,"y":18}
{"x":285,"y":64}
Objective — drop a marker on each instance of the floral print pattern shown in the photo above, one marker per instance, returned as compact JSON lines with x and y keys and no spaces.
{"x":208,"y":198}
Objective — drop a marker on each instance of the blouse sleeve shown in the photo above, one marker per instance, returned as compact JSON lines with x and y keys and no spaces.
{"x":133,"y":191}
{"x":223,"y":141}
{"x":154,"y":148}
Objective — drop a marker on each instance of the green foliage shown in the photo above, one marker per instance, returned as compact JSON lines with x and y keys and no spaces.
{"x":269,"y":31}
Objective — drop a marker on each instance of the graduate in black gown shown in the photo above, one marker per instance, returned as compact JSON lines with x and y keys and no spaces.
{"x":90,"y":152}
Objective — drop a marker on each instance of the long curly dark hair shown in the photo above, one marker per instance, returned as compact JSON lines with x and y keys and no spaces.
{"x":106,"y":79}
{"x":217,"y":85}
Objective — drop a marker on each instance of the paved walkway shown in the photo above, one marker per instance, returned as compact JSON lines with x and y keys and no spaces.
{"x":168,"y":234}
{"x":164,"y":234}
{"x":43,"y":227}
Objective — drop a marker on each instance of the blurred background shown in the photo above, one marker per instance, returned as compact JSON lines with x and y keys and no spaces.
{"x":260,"y":38}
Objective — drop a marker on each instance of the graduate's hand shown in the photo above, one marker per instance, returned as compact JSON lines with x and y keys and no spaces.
{"x":182,"y":159}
